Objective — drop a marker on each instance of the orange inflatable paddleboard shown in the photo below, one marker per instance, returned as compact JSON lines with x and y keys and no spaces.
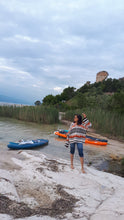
{"x":60,"y":135}
{"x":90,"y":141}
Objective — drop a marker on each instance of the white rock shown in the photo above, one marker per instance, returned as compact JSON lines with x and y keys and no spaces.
{"x":5,"y":217}
{"x":100,"y":195}
{"x":37,"y":218}
{"x":7,"y":187}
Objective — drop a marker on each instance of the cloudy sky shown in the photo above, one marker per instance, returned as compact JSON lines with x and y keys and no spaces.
{"x":47,"y":45}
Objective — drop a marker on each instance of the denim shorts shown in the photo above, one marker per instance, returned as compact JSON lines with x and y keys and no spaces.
{"x":79,"y":147}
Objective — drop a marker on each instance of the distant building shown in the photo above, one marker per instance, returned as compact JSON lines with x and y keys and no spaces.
{"x":101,"y":76}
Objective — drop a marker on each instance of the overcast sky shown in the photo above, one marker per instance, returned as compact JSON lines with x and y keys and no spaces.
{"x":47,"y":45}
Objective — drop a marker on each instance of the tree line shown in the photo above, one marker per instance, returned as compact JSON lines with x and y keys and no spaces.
{"x":108,"y":95}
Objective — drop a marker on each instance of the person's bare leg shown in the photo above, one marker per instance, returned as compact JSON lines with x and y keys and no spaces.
{"x":72,"y":157}
{"x":82,"y":164}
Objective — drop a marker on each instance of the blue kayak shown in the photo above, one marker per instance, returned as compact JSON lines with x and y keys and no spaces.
{"x":30,"y":145}
{"x":96,"y":139}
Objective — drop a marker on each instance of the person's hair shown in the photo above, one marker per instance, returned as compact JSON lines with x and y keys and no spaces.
{"x":79,"y":119}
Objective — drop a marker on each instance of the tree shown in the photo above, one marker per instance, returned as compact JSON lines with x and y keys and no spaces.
{"x":84,"y":88}
{"x":111,"y":85}
{"x":68,"y":93}
{"x":117,"y":102}
{"x":37,"y":102}
{"x":81,"y":100}
{"x":49,"y":100}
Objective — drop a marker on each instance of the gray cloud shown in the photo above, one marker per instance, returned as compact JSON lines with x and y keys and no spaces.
{"x":48,"y":45}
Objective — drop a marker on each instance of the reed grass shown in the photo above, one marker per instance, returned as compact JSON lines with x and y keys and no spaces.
{"x":38,"y":114}
{"x":107,"y":122}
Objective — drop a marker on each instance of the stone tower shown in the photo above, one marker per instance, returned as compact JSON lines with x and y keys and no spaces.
{"x":101,"y":76}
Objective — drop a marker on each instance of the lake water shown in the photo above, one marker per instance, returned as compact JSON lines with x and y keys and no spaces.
{"x":14,"y":130}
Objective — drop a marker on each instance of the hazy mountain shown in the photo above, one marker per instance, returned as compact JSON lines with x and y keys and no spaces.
{"x":8,"y":99}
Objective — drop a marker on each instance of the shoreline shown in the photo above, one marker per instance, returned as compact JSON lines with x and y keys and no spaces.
{"x":105,"y":158}
{"x":111,"y":156}
{"x":95,"y":133}
{"x":91,"y":131}
{"x":34,"y":186}
{"x":115,"y":147}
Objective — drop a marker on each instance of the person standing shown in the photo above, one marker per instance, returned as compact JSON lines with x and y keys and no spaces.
{"x":76,"y":136}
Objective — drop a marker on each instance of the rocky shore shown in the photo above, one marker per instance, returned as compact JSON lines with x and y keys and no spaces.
{"x":35,"y":187}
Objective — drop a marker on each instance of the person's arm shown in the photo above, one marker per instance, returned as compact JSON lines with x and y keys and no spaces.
{"x":86,"y":122}
{"x":69,"y":132}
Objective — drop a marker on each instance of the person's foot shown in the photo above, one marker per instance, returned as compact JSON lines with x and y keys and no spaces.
{"x":83,"y":171}
{"x":72,"y":167}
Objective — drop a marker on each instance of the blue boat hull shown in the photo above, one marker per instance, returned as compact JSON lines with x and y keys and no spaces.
{"x":96,"y":139}
{"x":36,"y":143}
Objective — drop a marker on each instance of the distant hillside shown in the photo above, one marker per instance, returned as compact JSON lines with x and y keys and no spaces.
{"x":108,"y":94}
{"x":8,"y":99}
